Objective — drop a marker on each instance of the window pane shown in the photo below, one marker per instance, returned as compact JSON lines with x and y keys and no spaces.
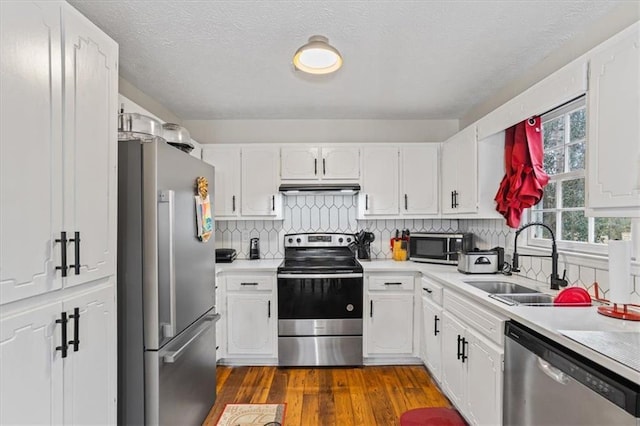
{"x":575,"y":226}
{"x":612,"y":228}
{"x":549,"y":196}
{"x":554,"y":161}
{"x":576,"y":156}
{"x":549,"y":219}
{"x":578,"y":124}
{"x":553,"y":133}
{"x":573,"y":193}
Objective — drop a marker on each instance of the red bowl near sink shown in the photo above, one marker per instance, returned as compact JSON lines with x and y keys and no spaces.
{"x":572,"y":296}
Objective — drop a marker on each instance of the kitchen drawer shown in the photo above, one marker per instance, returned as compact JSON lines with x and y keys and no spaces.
{"x":249,"y":282}
{"x":481,"y":319}
{"x":432,"y":290}
{"x":391,"y":282}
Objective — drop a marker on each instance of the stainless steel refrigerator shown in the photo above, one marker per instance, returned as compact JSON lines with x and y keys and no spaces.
{"x":166,"y":289}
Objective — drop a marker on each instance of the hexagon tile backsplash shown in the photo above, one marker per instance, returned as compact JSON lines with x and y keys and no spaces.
{"x":337,"y":213}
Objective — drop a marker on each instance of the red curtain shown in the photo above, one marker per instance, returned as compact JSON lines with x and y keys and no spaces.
{"x":524,"y":179}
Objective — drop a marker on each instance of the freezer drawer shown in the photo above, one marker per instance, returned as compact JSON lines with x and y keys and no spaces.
{"x":181,"y":378}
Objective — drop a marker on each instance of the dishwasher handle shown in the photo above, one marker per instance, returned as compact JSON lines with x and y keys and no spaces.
{"x":555,"y":374}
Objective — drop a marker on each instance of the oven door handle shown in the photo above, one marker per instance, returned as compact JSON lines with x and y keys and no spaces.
{"x":312,"y":276}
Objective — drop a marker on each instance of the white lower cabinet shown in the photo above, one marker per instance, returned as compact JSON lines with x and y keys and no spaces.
{"x":41,"y":384}
{"x":250,"y":317}
{"x":432,"y":337}
{"x":389,"y":316}
{"x":471,"y":371}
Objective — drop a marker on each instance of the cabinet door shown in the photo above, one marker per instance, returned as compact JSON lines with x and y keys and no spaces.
{"x":449,"y":175}
{"x":484,"y":381}
{"x":613,"y":151}
{"x":432,"y":318}
{"x":466,"y":198}
{"x":30,"y":149}
{"x":31,"y":390}
{"x":390,"y":324}
{"x":341,"y":163}
{"x":90,"y":371}
{"x":380,"y":180}
{"x":419,"y":179}
{"x":250,"y":324}
{"x":259,"y":181}
{"x":453,"y":370}
{"x":226,"y":161}
{"x":90,"y":146}
{"x":299,"y":163}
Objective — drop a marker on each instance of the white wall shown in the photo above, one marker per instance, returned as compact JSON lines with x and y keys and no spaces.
{"x":320,"y":131}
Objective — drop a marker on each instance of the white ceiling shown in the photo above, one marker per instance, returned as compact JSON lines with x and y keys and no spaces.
{"x":402,"y":59}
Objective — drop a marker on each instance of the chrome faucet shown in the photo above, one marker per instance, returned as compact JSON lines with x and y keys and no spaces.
{"x":556,"y":281}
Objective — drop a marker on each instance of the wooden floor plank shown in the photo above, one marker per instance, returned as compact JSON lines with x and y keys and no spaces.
{"x":362,"y":396}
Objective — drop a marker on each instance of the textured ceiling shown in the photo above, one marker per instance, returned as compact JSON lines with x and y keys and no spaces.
{"x":402,"y":59}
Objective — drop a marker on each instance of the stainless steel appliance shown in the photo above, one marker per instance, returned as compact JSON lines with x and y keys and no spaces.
{"x":166,"y":288}
{"x":547,"y":384}
{"x":226,"y":255}
{"x":320,"y":301}
{"x":254,"y":248}
{"x":439,"y":247}
{"x":481,"y":261}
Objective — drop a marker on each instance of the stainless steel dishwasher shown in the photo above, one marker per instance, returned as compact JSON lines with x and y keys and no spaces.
{"x":548,"y":384}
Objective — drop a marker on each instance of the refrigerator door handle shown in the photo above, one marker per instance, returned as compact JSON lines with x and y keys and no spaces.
{"x":208,"y":322}
{"x":167,"y":198}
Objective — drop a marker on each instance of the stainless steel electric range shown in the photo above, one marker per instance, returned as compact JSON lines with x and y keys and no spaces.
{"x":320,"y":301}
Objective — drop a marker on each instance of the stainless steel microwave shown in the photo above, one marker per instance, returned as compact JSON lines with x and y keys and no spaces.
{"x":439,"y":247}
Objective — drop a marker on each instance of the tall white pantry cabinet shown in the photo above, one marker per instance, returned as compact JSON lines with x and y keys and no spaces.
{"x":58,"y":143}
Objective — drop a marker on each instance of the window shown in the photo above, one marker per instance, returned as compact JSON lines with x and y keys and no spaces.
{"x":562,"y":206}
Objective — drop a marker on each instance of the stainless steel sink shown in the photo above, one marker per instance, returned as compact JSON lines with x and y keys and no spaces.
{"x":537,"y":299}
{"x":500,"y":287}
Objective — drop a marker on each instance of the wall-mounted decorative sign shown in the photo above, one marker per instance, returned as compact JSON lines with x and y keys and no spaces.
{"x":204,"y":218}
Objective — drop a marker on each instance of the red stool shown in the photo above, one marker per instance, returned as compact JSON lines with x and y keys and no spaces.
{"x":433,"y":416}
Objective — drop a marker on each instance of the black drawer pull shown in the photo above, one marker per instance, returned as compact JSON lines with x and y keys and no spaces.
{"x":63,"y":254}
{"x":76,"y":244}
{"x":76,"y":329}
{"x":63,"y":347}
{"x":435,"y":325}
{"x":459,"y":342}
{"x":248,"y":283}
{"x":393,"y":283}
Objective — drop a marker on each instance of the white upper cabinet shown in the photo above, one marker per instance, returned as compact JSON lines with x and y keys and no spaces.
{"x":320,"y":163}
{"x":460,"y":173}
{"x":30,"y":148}
{"x":379,"y":195}
{"x":90,"y":147}
{"x":226,"y":160}
{"x":72,"y":180}
{"x":613,"y":147}
{"x":260,"y":195}
{"x":419,"y":180}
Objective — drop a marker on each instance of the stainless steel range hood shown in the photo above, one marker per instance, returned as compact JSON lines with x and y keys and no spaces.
{"x":319,"y":189}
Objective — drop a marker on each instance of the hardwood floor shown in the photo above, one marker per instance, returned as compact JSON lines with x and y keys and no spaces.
{"x":330,"y":396}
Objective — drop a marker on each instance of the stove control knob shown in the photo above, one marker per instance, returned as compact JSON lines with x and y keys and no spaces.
{"x":298,"y":240}
{"x":290,"y":240}
{"x":340,"y":240}
{"x":348,"y":240}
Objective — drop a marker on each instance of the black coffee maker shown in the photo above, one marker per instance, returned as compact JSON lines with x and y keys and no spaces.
{"x":364,"y":240}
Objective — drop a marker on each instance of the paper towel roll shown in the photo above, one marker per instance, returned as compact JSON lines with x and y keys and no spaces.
{"x":620,"y":271}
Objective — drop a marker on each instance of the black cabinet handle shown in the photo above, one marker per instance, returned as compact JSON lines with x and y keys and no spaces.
{"x":371,"y":308}
{"x":315,"y":166}
{"x":464,"y":349}
{"x":459,"y":342}
{"x":273,"y":202}
{"x":324,"y":166}
{"x":63,"y":254}
{"x":269,"y":309}
{"x":428,"y":290}
{"x":451,"y":199}
{"x":63,"y":347}
{"x":435,"y":325}
{"x":392,"y":283}
{"x":233,"y":203}
{"x":406,"y":202}
{"x":366,"y":202}
{"x":76,"y":245}
{"x":455,"y":199}
{"x":76,"y":329}
{"x":248,"y":283}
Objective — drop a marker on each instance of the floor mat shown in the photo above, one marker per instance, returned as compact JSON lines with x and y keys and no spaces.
{"x":252,"y":415}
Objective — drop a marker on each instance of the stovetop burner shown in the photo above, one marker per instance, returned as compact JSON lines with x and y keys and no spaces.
{"x":319,"y":253}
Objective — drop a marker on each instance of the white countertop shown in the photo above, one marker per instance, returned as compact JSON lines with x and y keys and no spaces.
{"x":545,"y":320}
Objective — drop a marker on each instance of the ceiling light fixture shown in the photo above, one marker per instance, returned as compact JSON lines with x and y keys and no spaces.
{"x":317,"y":56}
